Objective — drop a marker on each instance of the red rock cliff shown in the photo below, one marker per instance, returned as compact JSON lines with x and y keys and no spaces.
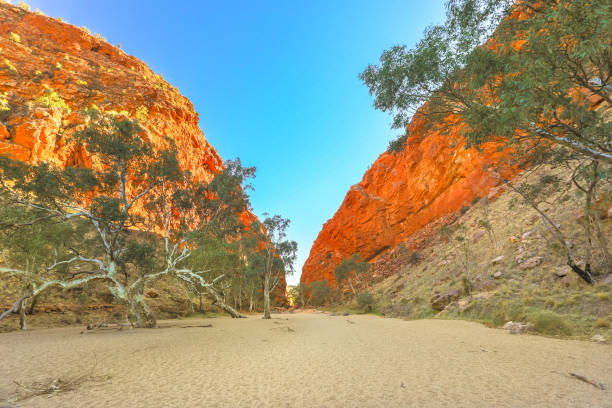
{"x":39,"y":52}
{"x":40,"y":56}
{"x":401,"y":194}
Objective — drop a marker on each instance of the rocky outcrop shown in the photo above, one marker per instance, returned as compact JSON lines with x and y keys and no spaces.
{"x":404,"y":193}
{"x":50,"y":71}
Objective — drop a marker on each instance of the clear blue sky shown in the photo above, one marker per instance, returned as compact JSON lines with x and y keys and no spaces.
{"x":275,"y":83}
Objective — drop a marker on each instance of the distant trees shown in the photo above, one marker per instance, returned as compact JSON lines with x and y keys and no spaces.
{"x":319,"y":292}
{"x":533,"y":75}
{"x":351,"y":271}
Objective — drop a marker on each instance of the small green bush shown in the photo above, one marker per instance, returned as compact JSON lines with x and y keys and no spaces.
{"x":397,"y":145}
{"x":366,"y":301}
{"x":50,"y":99}
{"x":546,"y":322}
{"x":14,"y":37}
{"x":4,"y":105}
{"x":10,"y":67}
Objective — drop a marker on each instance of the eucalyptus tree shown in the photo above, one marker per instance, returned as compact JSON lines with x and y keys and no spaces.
{"x":202,"y":226}
{"x":127,"y":185}
{"x":275,"y":256}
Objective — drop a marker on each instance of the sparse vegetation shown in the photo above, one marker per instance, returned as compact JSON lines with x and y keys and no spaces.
{"x":50,"y":99}
{"x":22,"y":5}
{"x":397,"y":145}
{"x":14,"y":37}
{"x":546,"y":322}
{"x":4,"y":104}
{"x":142,"y":114}
{"x":12,"y":69}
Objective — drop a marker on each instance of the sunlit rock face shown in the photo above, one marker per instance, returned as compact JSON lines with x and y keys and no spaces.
{"x":403,"y":193}
{"x":39,"y":54}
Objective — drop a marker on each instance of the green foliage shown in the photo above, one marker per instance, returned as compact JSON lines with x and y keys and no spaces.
{"x":350,"y":268}
{"x":4,"y":105}
{"x":366,"y":301}
{"x":142,"y":114}
{"x":10,"y":67}
{"x":550,"y":323}
{"x":532,"y":89}
{"x":22,"y":5}
{"x":14,"y":37}
{"x":320,"y":292}
{"x":397,"y":145}
{"x":50,"y":99}
{"x":415,"y":257}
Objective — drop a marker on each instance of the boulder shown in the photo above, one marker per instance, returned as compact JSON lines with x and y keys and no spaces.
{"x":562,"y":271}
{"x":531,"y":263}
{"x":523,"y":255}
{"x":498,"y":275}
{"x":517,"y":327}
{"x":440,"y":300}
{"x":498,"y":260}
{"x":598,"y":338}
{"x":485,"y":285}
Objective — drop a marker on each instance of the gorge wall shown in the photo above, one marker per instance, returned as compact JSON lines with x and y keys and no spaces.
{"x":405,"y":196}
{"x":43,"y":58}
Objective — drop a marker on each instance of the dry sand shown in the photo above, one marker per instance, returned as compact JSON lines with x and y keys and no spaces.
{"x":309,"y":360}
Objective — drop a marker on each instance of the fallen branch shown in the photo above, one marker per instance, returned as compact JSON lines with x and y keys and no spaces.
{"x":201,"y":325}
{"x":52,"y":386}
{"x":588,"y":381}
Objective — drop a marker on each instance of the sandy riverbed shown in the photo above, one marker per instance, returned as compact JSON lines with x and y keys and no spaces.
{"x":309,"y":360}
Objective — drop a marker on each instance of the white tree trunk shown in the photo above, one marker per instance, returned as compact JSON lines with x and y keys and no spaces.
{"x":266,"y":294}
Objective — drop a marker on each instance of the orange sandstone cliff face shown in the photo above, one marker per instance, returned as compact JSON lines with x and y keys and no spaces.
{"x":404,"y":194}
{"x":39,"y":54}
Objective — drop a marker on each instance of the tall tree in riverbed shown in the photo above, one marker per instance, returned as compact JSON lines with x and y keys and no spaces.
{"x":276,"y":256}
